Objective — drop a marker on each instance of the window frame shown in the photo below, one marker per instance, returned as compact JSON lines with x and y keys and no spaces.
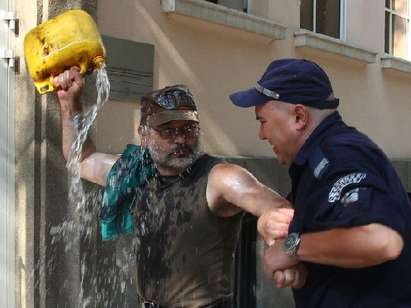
{"x":246,"y":5}
{"x":343,"y":20}
{"x":392,"y":12}
{"x":221,"y":15}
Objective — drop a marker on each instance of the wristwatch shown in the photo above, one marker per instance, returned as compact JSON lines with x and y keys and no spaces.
{"x":291,"y":244}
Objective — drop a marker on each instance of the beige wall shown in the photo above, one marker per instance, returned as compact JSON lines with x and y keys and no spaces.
{"x":47,"y":275}
{"x":215,"y":60}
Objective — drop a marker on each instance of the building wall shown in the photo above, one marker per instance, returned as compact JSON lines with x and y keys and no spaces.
{"x":47,"y":274}
{"x":26,"y":150}
{"x":215,"y":60}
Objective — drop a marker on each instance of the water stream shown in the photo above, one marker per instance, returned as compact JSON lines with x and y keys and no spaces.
{"x":76,"y":191}
{"x":73,"y":233}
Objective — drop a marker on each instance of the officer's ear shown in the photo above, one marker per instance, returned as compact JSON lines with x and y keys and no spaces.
{"x":301,"y":117}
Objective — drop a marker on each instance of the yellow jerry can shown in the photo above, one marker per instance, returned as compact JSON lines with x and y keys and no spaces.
{"x":69,"y":39}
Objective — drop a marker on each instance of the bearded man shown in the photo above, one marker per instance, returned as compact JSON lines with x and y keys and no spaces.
{"x":183,"y":206}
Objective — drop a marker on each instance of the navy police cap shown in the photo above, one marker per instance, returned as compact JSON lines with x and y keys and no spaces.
{"x":295,"y":81}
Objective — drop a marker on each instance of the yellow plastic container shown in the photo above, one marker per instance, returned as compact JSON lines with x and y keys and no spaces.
{"x":70,"y":39}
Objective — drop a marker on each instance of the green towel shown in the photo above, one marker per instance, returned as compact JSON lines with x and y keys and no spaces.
{"x":130,"y":172}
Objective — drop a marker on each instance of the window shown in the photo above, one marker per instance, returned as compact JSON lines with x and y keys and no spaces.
{"x":241,"y":5}
{"x":323,"y":16}
{"x":397,"y":20}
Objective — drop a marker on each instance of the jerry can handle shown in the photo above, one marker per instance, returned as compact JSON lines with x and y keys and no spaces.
{"x":45,"y":86}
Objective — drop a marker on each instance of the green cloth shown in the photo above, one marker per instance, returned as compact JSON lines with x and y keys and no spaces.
{"x":130,"y":172}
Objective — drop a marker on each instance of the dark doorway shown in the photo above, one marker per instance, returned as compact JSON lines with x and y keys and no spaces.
{"x":245,"y":271}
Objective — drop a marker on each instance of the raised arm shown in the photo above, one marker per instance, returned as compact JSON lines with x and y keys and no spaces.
{"x":94,"y":166}
{"x":232,"y":188}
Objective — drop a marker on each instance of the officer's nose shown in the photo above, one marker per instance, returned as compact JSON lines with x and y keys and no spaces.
{"x":261,"y":134}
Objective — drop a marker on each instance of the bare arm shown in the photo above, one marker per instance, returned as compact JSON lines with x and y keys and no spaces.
{"x":232,"y":188}
{"x":354,"y":247}
{"x":94,"y":166}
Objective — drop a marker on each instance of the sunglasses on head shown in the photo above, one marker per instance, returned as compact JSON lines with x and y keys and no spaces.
{"x":174,"y":97}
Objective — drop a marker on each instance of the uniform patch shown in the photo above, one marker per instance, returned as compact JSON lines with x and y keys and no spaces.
{"x":320,"y":167}
{"x":353,"y":178}
{"x":351,"y":196}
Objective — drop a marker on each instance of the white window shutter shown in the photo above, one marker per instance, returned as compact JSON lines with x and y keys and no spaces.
{"x":7,"y":155}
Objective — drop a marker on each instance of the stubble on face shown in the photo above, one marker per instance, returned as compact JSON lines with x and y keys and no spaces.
{"x":172,"y":158}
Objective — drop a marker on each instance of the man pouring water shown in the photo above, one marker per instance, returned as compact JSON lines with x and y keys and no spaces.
{"x":183,"y":206}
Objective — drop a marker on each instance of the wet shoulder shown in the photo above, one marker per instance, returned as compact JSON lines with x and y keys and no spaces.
{"x":203,"y":165}
{"x":207,"y":162}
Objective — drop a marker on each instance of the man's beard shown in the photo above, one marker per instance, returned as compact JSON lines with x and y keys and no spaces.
{"x":166,"y":159}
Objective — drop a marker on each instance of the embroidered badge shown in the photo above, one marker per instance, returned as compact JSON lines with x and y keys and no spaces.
{"x":353,"y":178}
{"x":351,"y":196}
{"x":320,"y":167}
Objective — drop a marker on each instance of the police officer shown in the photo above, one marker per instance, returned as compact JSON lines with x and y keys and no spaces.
{"x":352,"y":222}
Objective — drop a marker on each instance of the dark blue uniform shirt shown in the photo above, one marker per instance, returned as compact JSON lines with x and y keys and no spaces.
{"x":340,"y":178}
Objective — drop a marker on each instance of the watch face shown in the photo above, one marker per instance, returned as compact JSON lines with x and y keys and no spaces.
{"x":291,"y":244}
{"x":290,"y":241}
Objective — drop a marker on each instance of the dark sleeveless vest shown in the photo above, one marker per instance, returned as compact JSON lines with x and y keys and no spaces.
{"x":184,"y":252}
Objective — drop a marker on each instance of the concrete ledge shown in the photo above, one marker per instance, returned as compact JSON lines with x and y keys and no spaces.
{"x":394,"y":63}
{"x":224,"y":16}
{"x":308,"y":39}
